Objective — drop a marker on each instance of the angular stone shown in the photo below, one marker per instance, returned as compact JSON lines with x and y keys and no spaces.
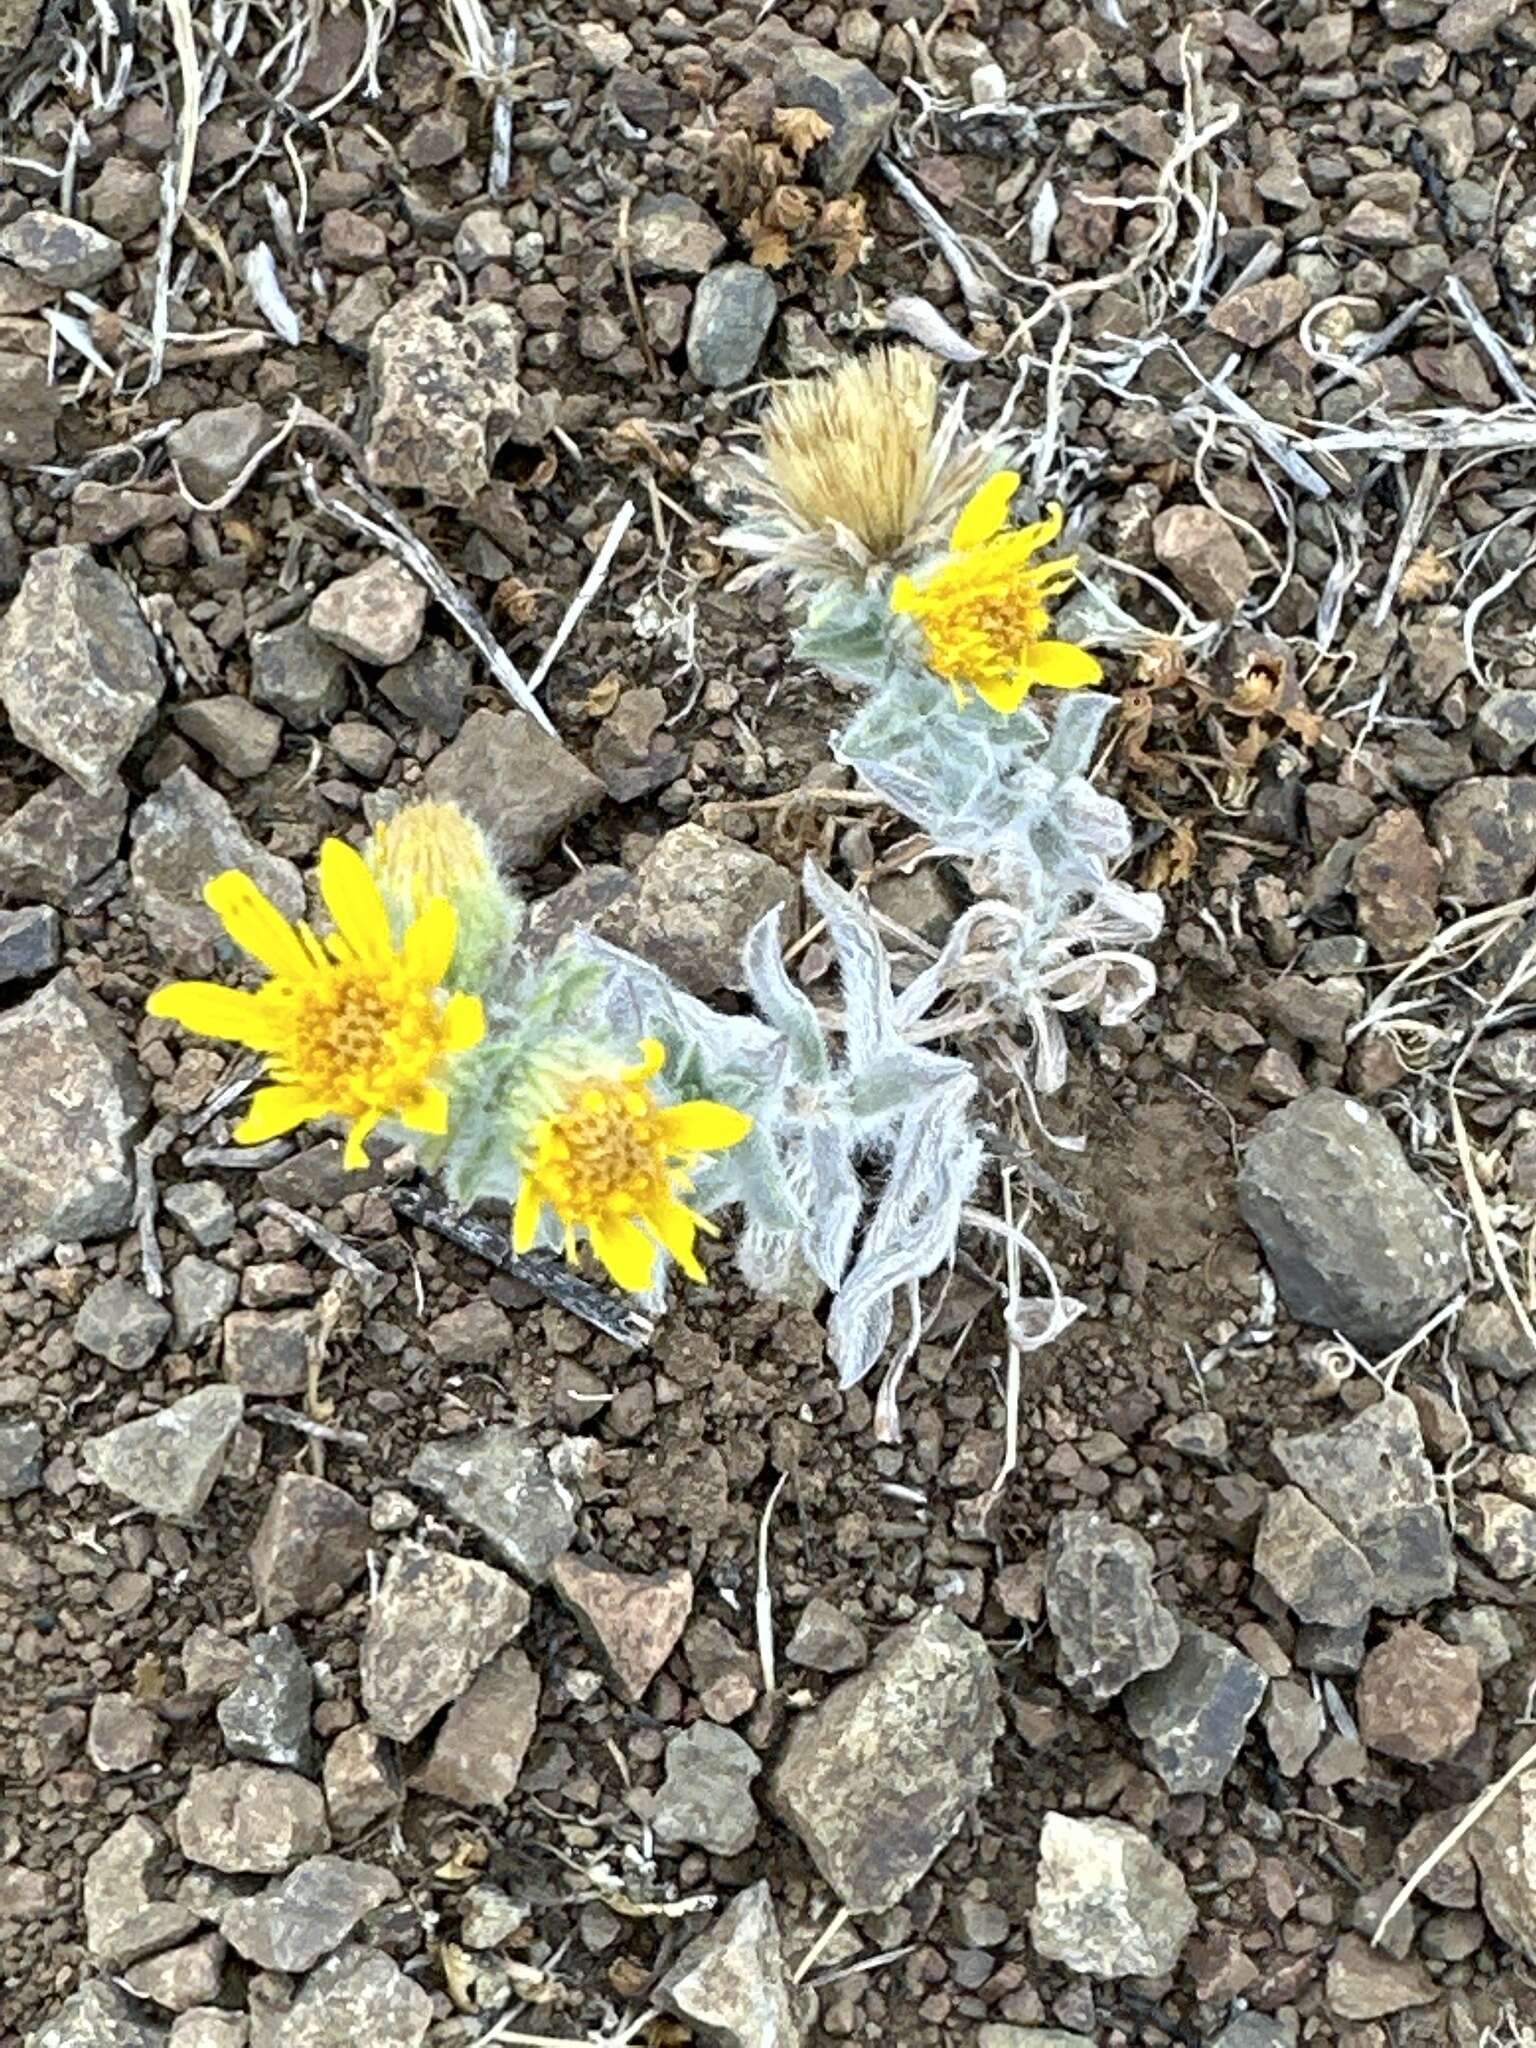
{"x":429,"y":688}
{"x":291,"y":1925}
{"x":435,"y":1621}
{"x":202,"y":1294}
{"x":672,"y":236}
{"x":167,"y":1463}
{"x":123,"y":1921}
{"x":311,"y":1546}
{"x":633,"y":1622}
{"x":21,"y":1459}
{"x":500,"y":1483}
{"x":212,"y":447}
{"x":203,"y":1211}
{"x":518,"y":782}
{"x":1419,"y":1698}
{"x":183,"y":834}
{"x":29,"y":943}
{"x":59,"y":840}
{"x":79,"y":673}
{"x":205,"y":2026}
{"x":119,"y":1322}
{"x":1191,"y":1716}
{"x":730,"y":1985}
{"x":299,"y":676}
{"x":697,"y":895}
{"x":241,"y":738}
{"x":1356,"y":1241}
{"x":478,"y":1755}
{"x":1107,"y":1903}
{"x":1364,"y":1983}
{"x":826,"y":1640}
{"x":877,"y":1780}
{"x":180,"y":1978}
{"x":375,"y":615}
{"x":266,"y":1717}
{"x":1503,"y":1846}
{"x":58,"y":250}
{"x":1318,"y":1573}
{"x":1485,"y":830}
{"x":445,"y":396}
{"x":357,"y":1995}
{"x":248,"y":1817}
{"x":1256,"y":314}
{"x":98,"y":2015}
{"x":362,"y":1781}
{"x":123,"y":1734}
{"x":706,"y":1795}
{"x":733,"y":309}
{"x":1203,"y":554}
{"x":29,"y":407}
{"x":271,"y":1351}
{"x":1503,"y":1531}
{"x":1371,"y":1478}
{"x":846,"y":94}
{"x":72,"y":1101}
{"x":1109,"y":1624}
{"x":1396,"y":884}
{"x":1293,"y":1722}
{"x":1504,"y":730}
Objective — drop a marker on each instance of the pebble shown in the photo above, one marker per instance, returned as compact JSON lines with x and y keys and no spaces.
{"x":1107,"y":1902}
{"x":1356,"y":1240}
{"x":266,"y":1716}
{"x":248,"y":1817}
{"x":21,"y":1459}
{"x":212,"y":448}
{"x":123,"y":1734}
{"x":1317,"y":1571}
{"x":362,"y":1781}
{"x":671,"y":235}
{"x":29,"y":943}
{"x":242,"y":738}
{"x":167,"y":1463}
{"x":1502,"y":1843}
{"x":375,"y":615}
{"x":1503,"y":1531}
{"x":695,"y":897}
{"x":520,"y":784}
{"x":477,"y":1757}
{"x":706,"y":1795}
{"x":1396,"y":883}
{"x":270,"y":1352}
{"x":446,"y":396}
{"x":877,"y":1780}
{"x":1257,"y":314}
{"x":1191,"y":1716}
{"x":181,"y":834}
{"x":203,"y":1210}
{"x":299,"y":676}
{"x":731,"y":1985}
{"x":119,"y":1322}
{"x":1204,"y":556}
{"x":1293,"y":1723}
{"x":1419,"y":1697}
{"x":80,"y":676}
{"x":202,"y":1294}
{"x":633,"y":1622}
{"x":356,"y":1995}
{"x":847,"y":95}
{"x":1363,"y":1983}
{"x":429,"y":688}
{"x":123,"y":199}
{"x":1109,"y":1624}
{"x":1504,"y":730}
{"x":826,"y":1640}
{"x":733,"y":309}
{"x":311,"y":1546}
{"x":499,"y":1482}
{"x":1493,"y":1636}
{"x":435,"y":1620}
{"x":58,"y":840}
{"x":124,"y":1922}
{"x":292,"y":1924}
{"x":206,"y":2026}
{"x":1468,"y":26}
{"x":98,"y":2015}
{"x":1485,"y":831}
{"x":59,"y":251}
{"x":182,"y":1977}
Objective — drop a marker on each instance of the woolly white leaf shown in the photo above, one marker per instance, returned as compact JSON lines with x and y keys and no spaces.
{"x":787,"y":1008}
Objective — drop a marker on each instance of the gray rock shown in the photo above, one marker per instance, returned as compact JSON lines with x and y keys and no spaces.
{"x":29,"y":943}
{"x":1364,"y":1983}
{"x":1356,"y":1240}
{"x":123,"y":199}
{"x":846,"y":94}
{"x":1493,"y":1636}
{"x":202,"y":1294}
{"x":357,"y":1995}
{"x":206,"y":2026}
{"x":877,"y":1780}
{"x":124,"y":1922}
{"x":362,"y":1781}
{"x":733,"y":310}
{"x":1503,"y":1845}
{"x":1331,"y":1652}
{"x":1317,"y":1571}
{"x":313,"y":1910}
{"x":1257,"y":2030}
{"x":29,"y":413}
{"x":79,"y":673}
{"x":58,"y":250}
{"x":98,"y":2015}
{"x":1504,"y":731}
{"x":1192,"y":1715}
{"x":730,"y":1985}
{"x":706,"y":1795}
{"x":59,"y":840}
{"x":1109,"y":1624}
{"x":500,"y":1483}
{"x":672,"y":236}
{"x":1485,"y":831}
{"x":696,"y":896}
{"x":249,"y":1817}
{"x":999,"y":2034}
{"x":479,"y":1752}
{"x":375,"y":615}
{"x":632,"y":1621}
{"x":212,"y":447}
{"x":180,"y":1978}
{"x":446,"y":396}
{"x":299,"y":676}
{"x":1468,"y":26}
{"x":265,"y":1718}
{"x":1293,"y":1722}
{"x":518,"y":782}
{"x":21,"y":1459}
{"x":242,"y":738}
{"x":167,"y":1463}
{"x":203,"y":1211}
{"x":270,"y":1351}
{"x":181,"y":836}
{"x":119,"y":1322}
{"x":826,"y":1640}
{"x":1503,"y":1532}
{"x":311,"y":1546}
{"x":1371,"y":1478}
{"x":1107,"y":1903}
{"x":436,"y":1620}
{"x":429,"y":688}
{"x":123,"y":1735}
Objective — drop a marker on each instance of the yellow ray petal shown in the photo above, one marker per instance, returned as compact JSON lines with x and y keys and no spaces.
{"x":219,"y":1012}
{"x":1060,"y":665}
{"x":525,"y":1217}
{"x":1004,"y":696}
{"x":905,"y":595}
{"x":652,"y":1054}
{"x":429,"y":943}
{"x":985,"y":511}
{"x":676,"y":1225}
{"x":703,"y":1126}
{"x":463,"y":1023}
{"x":627,"y":1252}
{"x":1039,"y":533}
{"x":355,"y":1153}
{"x":257,"y":925}
{"x":274,"y":1111}
{"x":428,"y":1113}
{"x":352,"y":897}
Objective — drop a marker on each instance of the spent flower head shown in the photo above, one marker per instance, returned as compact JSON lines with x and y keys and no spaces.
{"x":352,"y":1026}
{"x":433,"y":850}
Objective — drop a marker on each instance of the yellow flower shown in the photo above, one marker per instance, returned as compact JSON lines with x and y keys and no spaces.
{"x":983,"y":611}
{"x":611,"y":1160}
{"x":430,"y":849}
{"x":352,"y":1027}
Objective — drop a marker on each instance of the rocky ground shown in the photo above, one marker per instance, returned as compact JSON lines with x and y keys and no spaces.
{"x":436,"y":1707}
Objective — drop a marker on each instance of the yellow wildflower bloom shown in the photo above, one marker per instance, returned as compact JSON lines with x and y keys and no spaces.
{"x":983,"y":611}
{"x":611,"y":1160}
{"x":352,"y":1026}
{"x":430,"y":849}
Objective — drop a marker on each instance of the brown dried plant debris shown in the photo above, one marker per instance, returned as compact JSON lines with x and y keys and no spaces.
{"x":757,"y":185}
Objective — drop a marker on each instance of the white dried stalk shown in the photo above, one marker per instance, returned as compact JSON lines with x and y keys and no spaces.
{"x":260,"y":273}
{"x":980,"y":296}
{"x":592,"y":583}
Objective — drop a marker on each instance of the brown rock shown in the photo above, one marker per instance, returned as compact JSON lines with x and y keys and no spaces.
{"x":1365,"y":1984}
{"x":1503,"y":1846}
{"x":633,"y":1622}
{"x":362,"y":1781}
{"x":1396,"y":881}
{"x":1257,"y":314}
{"x":311,"y":1546}
{"x":478,"y":1755}
{"x":1205,"y":557}
{"x":435,"y":1621}
{"x":1419,"y":1697}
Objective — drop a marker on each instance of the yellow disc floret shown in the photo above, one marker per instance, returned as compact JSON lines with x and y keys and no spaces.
{"x":611,"y":1160}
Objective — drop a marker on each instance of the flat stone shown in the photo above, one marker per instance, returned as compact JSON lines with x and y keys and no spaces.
{"x":313,"y":1910}
{"x":212,"y":447}
{"x":299,"y":676}
{"x":848,"y":96}
{"x":1503,"y":1532}
{"x":1485,"y":831}
{"x":731,"y":1985}
{"x":877,"y":1780}
{"x":826,"y":1640}
{"x":435,"y":1620}
{"x":375,"y":615}
{"x":206,"y":2026}
{"x":1107,"y":1903}
{"x":1504,"y":730}
{"x":29,"y":405}
{"x":357,"y":1995}
{"x":182,"y":835}
{"x":479,"y":1752}
{"x":242,"y":738}
{"x":270,"y":1351}
{"x":58,"y":250}
{"x":312,"y":1545}
{"x":706,"y":1795}
{"x":211,"y":1661}
{"x":180,"y":1978}
{"x":29,"y":943}
{"x":671,"y":235}
{"x":733,"y":309}
{"x":1109,"y":1624}
{"x":1468,"y":26}
{"x":1317,"y":1571}
{"x":500,"y":1483}
{"x":266,"y":1717}
{"x":430,"y":686}
{"x":697,"y":895}
{"x":1356,"y":1240}
{"x":518,"y":782}
{"x":203,"y":1210}
{"x":123,"y":1735}
{"x":1191,"y":1716}
{"x":98,"y":2015}
{"x":362,"y":1781}
{"x":1419,"y":1697}
{"x":1293,"y":1723}
{"x":123,"y":199}
{"x":80,"y":676}
{"x":167,"y":1463}
{"x":1396,"y":883}
{"x":1204,"y":556}
{"x":249,"y":1817}
{"x":631,"y":1620}
{"x":124,"y":1922}
{"x":202,"y":1294}
{"x":59,"y":840}
{"x":1364,"y":1983}
{"x":446,"y":394}
{"x":21,"y":1459}
{"x":1256,"y":314}
{"x":1502,"y":1842}
{"x":119,"y":1322}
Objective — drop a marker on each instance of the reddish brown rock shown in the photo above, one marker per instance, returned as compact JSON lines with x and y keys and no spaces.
{"x":1396,"y":880}
{"x":1419,"y":1697}
{"x":633,"y":1622}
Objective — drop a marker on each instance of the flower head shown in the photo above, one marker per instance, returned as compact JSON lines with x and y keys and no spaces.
{"x":611,"y":1160}
{"x":351,"y":1026}
{"x":429,"y":849}
{"x":983,"y":612}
